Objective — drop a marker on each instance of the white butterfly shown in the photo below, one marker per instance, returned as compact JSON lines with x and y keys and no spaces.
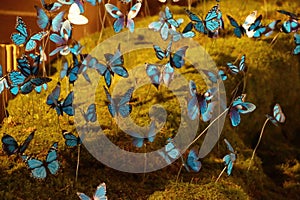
{"x":250,"y":19}
{"x":75,"y":17}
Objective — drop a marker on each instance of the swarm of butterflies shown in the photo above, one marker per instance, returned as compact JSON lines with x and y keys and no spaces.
{"x":56,"y":26}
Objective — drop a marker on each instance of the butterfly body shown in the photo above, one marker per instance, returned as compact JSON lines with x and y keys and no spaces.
{"x":170,"y":152}
{"x":278,"y":115}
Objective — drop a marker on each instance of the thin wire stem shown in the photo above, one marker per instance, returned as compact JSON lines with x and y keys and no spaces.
{"x":261,"y":133}
{"x":221,"y":174}
{"x":77,"y":166}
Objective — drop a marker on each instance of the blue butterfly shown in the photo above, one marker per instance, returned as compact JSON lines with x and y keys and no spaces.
{"x":138,"y":140}
{"x":165,"y":23}
{"x":72,"y":73}
{"x":10,"y":145}
{"x":122,"y":106}
{"x":121,"y":19}
{"x":193,"y":162}
{"x":3,"y":81}
{"x":176,"y":36}
{"x":61,"y":106}
{"x":161,"y":54}
{"x":21,"y":38}
{"x":290,"y":25}
{"x":39,"y":168}
{"x":239,"y":106}
{"x":160,"y":74}
{"x":114,"y":64}
{"x":230,"y":158}
{"x":35,"y":83}
{"x":90,"y":115}
{"x":210,"y":25}
{"x":51,"y":7}
{"x":177,"y":58}
{"x":43,"y":19}
{"x":266,"y":30}
{"x":169,"y":152}
{"x":256,"y":24}
{"x":239,"y":30}
{"x":234,"y":69}
{"x":213,"y":77}
{"x":278,"y":115}
{"x":297,"y":42}
{"x":70,"y":139}
{"x":100,"y":193}
{"x":62,"y":39}
{"x":199,"y":103}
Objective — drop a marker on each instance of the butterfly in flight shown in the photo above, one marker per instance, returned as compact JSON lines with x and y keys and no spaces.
{"x":230,"y":158}
{"x":297,"y":42}
{"x":22,"y":37}
{"x":213,"y":77}
{"x":160,"y":53}
{"x":27,"y":79}
{"x":10,"y":145}
{"x":120,"y":106}
{"x":239,"y":30}
{"x":39,"y":168}
{"x":239,"y":106}
{"x":61,"y":106}
{"x":44,"y":21}
{"x":211,"y":24}
{"x":290,"y":25}
{"x":278,"y":115}
{"x":192,"y":162}
{"x":200,"y":103}
{"x":170,"y":152}
{"x":138,"y":140}
{"x":90,"y":115}
{"x":265,"y":30}
{"x":114,"y":64}
{"x":241,"y":68}
{"x":121,"y":19}
{"x":166,"y":22}
{"x":160,"y":74}
{"x":70,"y":139}
{"x":75,"y":17}
{"x":3,"y":81}
{"x":100,"y":193}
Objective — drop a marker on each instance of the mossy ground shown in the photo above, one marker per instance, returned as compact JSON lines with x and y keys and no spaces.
{"x":273,"y":77}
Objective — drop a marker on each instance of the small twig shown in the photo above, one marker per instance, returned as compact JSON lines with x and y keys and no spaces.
{"x":221,"y":174}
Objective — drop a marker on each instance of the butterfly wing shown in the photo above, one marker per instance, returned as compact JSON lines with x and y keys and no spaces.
{"x":192,"y":161}
{"x":256,"y":23}
{"x":73,"y":72}
{"x":278,"y":114}
{"x":51,"y":159}
{"x":100,"y":193}
{"x":16,"y":78}
{"x":43,"y":18}
{"x":70,"y":139}
{"x":26,"y":143}
{"x":52,"y":98}
{"x":116,"y":64}
{"x":239,"y":31}
{"x":297,"y":42}
{"x":124,"y":108}
{"x":242,"y":65}
{"x":111,"y":106}
{"x":57,"y":21}
{"x":36,"y":166}
{"x":167,"y":74}
{"x":154,"y":74}
{"x":233,"y":69}
{"x":83,"y":196}
{"x":118,"y":15}
{"x":75,"y":17}
{"x":20,"y":37}
{"x":132,"y":14}
{"x":206,"y":116}
{"x":9,"y":145}
{"x":177,"y":60}
{"x":91,"y":113}
{"x":229,"y":147}
{"x":234,"y":116}
{"x":67,"y":106}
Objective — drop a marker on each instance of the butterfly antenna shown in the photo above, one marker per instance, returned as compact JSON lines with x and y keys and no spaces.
{"x":260,"y":136}
{"x":221,"y":174}
{"x":78,"y":160}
